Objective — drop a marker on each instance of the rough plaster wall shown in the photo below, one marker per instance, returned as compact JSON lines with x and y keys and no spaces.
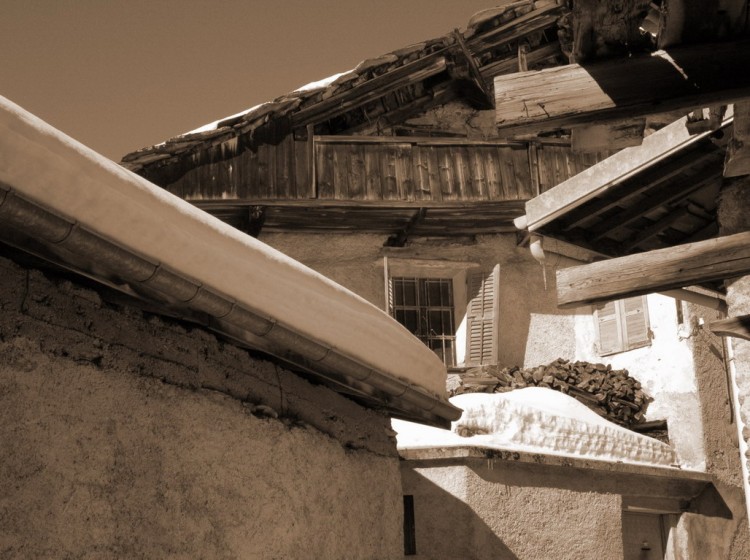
{"x":734,"y":217}
{"x":127,"y":436}
{"x":701,"y":537}
{"x":532,"y":329}
{"x":483,"y":512}
{"x":666,"y":371}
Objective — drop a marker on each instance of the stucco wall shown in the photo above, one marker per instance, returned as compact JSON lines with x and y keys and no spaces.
{"x":128,"y":436}
{"x":531,"y":326}
{"x":486,"y":511}
{"x":532,"y":330}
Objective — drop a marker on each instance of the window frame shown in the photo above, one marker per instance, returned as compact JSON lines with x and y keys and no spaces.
{"x":459,"y":272}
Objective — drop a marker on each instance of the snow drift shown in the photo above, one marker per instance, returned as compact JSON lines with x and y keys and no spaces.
{"x":537,"y":420}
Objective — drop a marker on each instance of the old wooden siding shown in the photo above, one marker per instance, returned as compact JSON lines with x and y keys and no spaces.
{"x":558,"y":163}
{"x":265,"y":172}
{"x":419,"y":172}
{"x":379,"y":170}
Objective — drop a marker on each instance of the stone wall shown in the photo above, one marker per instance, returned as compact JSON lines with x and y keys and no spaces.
{"x":125,"y":435}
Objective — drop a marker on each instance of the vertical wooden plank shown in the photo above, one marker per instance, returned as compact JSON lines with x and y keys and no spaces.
{"x":477,"y":172}
{"x":404,"y":178}
{"x":373,"y":181}
{"x":340,"y":162}
{"x":283,"y":161}
{"x":447,"y":173}
{"x":534,"y":168}
{"x":303,"y":185}
{"x":461,"y":174}
{"x":271,"y":166}
{"x":521,"y":177}
{"x":420,"y":172}
{"x":264,"y":188}
{"x":492,"y":173}
{"x":357,"y":172}
{"x":324,"y":170}
{"x":505,"y":166}
{"x":389,"y":157}
{"x":433,"y":172}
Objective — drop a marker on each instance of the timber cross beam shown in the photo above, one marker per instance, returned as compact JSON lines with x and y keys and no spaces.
{"x":654,"y":271}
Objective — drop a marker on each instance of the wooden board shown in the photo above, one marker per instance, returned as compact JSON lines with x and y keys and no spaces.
{"x":565,"y":96}
{"x":655,"y":271}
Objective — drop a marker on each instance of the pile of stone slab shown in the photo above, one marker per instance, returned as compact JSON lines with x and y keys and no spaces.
{"x":611,"y":393}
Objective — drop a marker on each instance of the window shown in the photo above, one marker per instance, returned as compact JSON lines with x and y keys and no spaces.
{"x":622,"y":325}
{"x":425,"y":307}
{"x":451,"y":306}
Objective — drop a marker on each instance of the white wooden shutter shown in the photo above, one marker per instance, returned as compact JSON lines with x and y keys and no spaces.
{"x":481,"y":314}
{"x":635,"y":320}
{"x":623,"y":325}
{"x":608,"y":329}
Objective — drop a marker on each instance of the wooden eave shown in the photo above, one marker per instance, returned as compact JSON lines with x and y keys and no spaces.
{"x":389,"y":89}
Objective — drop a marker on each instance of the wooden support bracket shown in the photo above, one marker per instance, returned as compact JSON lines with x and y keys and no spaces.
{"x":738,"y":327}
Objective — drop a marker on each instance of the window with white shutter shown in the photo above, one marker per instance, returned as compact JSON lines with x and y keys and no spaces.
{"x":622,"y":325}
{"x":481,"y":313}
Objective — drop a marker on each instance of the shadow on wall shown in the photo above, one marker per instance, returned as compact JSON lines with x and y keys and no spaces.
{"x":446,"y":527}
{"x":532,"y":328}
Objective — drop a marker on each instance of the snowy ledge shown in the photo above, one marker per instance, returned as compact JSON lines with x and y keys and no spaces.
{"x":540,"y":424}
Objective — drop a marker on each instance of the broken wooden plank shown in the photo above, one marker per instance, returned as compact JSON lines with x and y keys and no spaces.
{"x":655,"y":271}
{"x":370,"y":90}
{"x":612,"y":171}
{"x":738,"y":151}
{"x":682,"y":78}
{"x":738,"y":327}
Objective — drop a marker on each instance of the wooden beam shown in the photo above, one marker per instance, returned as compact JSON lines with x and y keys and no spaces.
{"x":666,"y":194}
{"x":486,"y":99}
{"x":682,"y":78}
{"x":654,"y":229}
{"x":738,"y":327}
{"x":370,"y":90}
{"x":738,"y":151}
{"x":655,"y":271}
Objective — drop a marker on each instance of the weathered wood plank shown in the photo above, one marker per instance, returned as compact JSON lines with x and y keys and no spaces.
{"x":302,"y":182}
{"x":655,"y":271}
{"x":373,"y":184}
{"x":596,"y":180}
{"x":324,"y":169}
{"x":682,"y":78}
{"x":434,"y":174}
{"x":738,"y":151}
{"x":357,"y":172}
{"x":371,"y":89}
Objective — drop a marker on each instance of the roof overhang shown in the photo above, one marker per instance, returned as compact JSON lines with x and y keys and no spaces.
{"x":67,"y":204}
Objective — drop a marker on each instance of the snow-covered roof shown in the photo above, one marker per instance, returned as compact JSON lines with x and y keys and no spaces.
{"x":122,"y":229}
{"x":536,"y":420}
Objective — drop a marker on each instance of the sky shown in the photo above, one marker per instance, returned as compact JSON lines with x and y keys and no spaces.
{"x":119,"y":75}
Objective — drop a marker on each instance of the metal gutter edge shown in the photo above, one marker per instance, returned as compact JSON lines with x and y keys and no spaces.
{"x":110,"y":259}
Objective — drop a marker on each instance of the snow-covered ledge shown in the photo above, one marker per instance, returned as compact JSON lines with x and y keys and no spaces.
{"x":538,"y":421}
